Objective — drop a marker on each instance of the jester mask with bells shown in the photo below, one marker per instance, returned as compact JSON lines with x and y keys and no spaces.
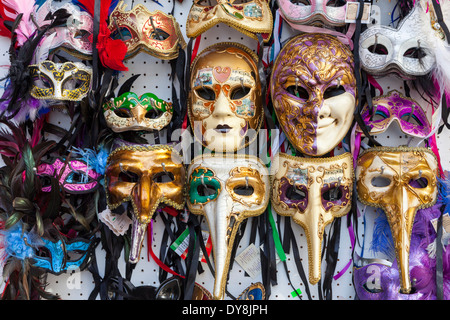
{"x":313,"y":91}
{"x":225,"y":103}
{"x":226,"y":189}
{"x":313,"y":191}
{"x":400,"y":181}
{"x":149,"y":177}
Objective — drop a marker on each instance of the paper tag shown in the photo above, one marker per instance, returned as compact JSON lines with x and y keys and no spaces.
{"x":352,"y":10}
{"x":181,"y":244}
{"x":445,"y":223}
{"x":250,"y":260}
{"x":118,"y":223}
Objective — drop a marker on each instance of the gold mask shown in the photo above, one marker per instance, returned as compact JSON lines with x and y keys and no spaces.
{"x":400,"y":181}
{"x":155,"y":33}
{"x":249,"y":18}
{"x":148,"y":177}
{"x":226,"y":189}
{"x":313,"y":191}
{"x":225,"y":103}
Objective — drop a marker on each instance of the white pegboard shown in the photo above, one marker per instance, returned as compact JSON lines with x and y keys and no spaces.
{"x":154,"y":78}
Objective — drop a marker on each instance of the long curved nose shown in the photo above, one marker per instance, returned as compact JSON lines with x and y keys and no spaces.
{"x":401,"y":218}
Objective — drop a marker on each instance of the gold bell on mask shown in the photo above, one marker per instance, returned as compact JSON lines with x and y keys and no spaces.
{"x":400,"y":181}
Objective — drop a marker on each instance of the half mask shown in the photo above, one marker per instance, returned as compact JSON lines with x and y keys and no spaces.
{"x":400,"y":181}
{"x":68,"y":81}
{"x":313,"y":191}
{"x":249,"y":17}
{"x":225,"y":103}
{"x":132,"y":112}
{"x":149,"y":177}
{"x":313,"y":91}
{"x":403,"y":51}
{"x":74,"y":37}
{"x":154,"y":33}
{"x":75,"y":176}
{"x":394,"y":107}
{"x":226,"y":189}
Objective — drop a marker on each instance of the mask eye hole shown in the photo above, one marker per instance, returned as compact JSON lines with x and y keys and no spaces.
{"x":298,"y":92}
{"x":42,"y":82}
{"x":75,"y":255}
{"x":380,"y":182}
{"x":152,"y":114}
{"x":158,"y":34}
{"x":239,"y":93}
{"x":333,"y":92}
{"x":206,"y":93}
{"x":45,"y":181}
{"x":82,"y":34}
{"x":296,"y":194}
{"x":122,"y":33}
{"x":415,"y":53}
{"x":411,"y":118}
{"x":419,"y":183}
{"x":244,"y":190}
{"x":128,"y":176}
{"x":332,"y":194}
{"x":335,"y":3}
{"x":205,"y":190}
{"x":207,"y":3}
{"x":378,"y":49}
{"x":301,"y":2}
{"x":122,"y":113}
{"x":380,"y":115}
{"x":371,"y":290}
{"x":163,"y":177}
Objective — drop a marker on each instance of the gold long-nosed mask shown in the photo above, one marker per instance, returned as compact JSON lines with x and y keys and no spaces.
{"x":400,"y":181}
{"x":147,"y":176}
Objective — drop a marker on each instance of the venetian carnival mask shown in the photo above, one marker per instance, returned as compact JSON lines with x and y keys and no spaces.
{"x":75,"y":176}
{"x":73,"y":38}
{"x":313,"y":91}
{"x":400,"y":181}
{"x":249,"y":17}
{"x":226,"y":189}
{"x":225,"y":106}
{"x":394,"y":107}
{"x":403,"y":51}
{"x":62,"y":254}
{"x":132,"y":112}
{"x":331,"y":13}
{"x":154,"y":33}
{"x":69,"y":81}
{"x":313,"y":191}
{"x":148,"y":177}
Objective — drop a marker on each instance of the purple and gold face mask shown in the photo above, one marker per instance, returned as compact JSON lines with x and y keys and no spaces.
{"x":313,"y":191}
{"x":313,"y":91}
{"x":394,"y":107}
{"x":74,"y":177}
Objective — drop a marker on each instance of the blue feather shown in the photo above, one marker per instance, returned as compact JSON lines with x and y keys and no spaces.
{"x":94,"y":160}
{"x":382,"y":237}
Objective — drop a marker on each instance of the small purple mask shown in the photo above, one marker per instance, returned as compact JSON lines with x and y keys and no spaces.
{"x":409,"y":115}
{"x":74,"y":177}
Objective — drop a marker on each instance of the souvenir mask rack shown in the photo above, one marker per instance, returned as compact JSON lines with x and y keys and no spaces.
{"x":155,"y":77}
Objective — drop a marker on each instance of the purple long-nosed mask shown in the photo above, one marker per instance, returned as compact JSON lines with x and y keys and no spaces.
{"x":313,"y":91}
{"x":394,"y":107}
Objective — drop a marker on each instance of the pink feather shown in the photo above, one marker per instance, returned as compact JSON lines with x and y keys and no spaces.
{"x":26,"y":27}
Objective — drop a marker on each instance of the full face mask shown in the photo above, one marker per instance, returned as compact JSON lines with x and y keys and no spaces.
{"x":250,"y":18}
{"x":403,"y":51}
{"x":313,"y":91}
{"x":154,"y":33}
{"x":226,"y":189}
{"x":394,"y":107}
{"x":148,"y":177}
{"x":400,"y":181}
{"x":132,"y":112}
{"x":313,"y":191}
{"x":75,"y":176}
{"x":69,"y":81}
{"x":74,"y":37}
{"x":225,"y":103}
